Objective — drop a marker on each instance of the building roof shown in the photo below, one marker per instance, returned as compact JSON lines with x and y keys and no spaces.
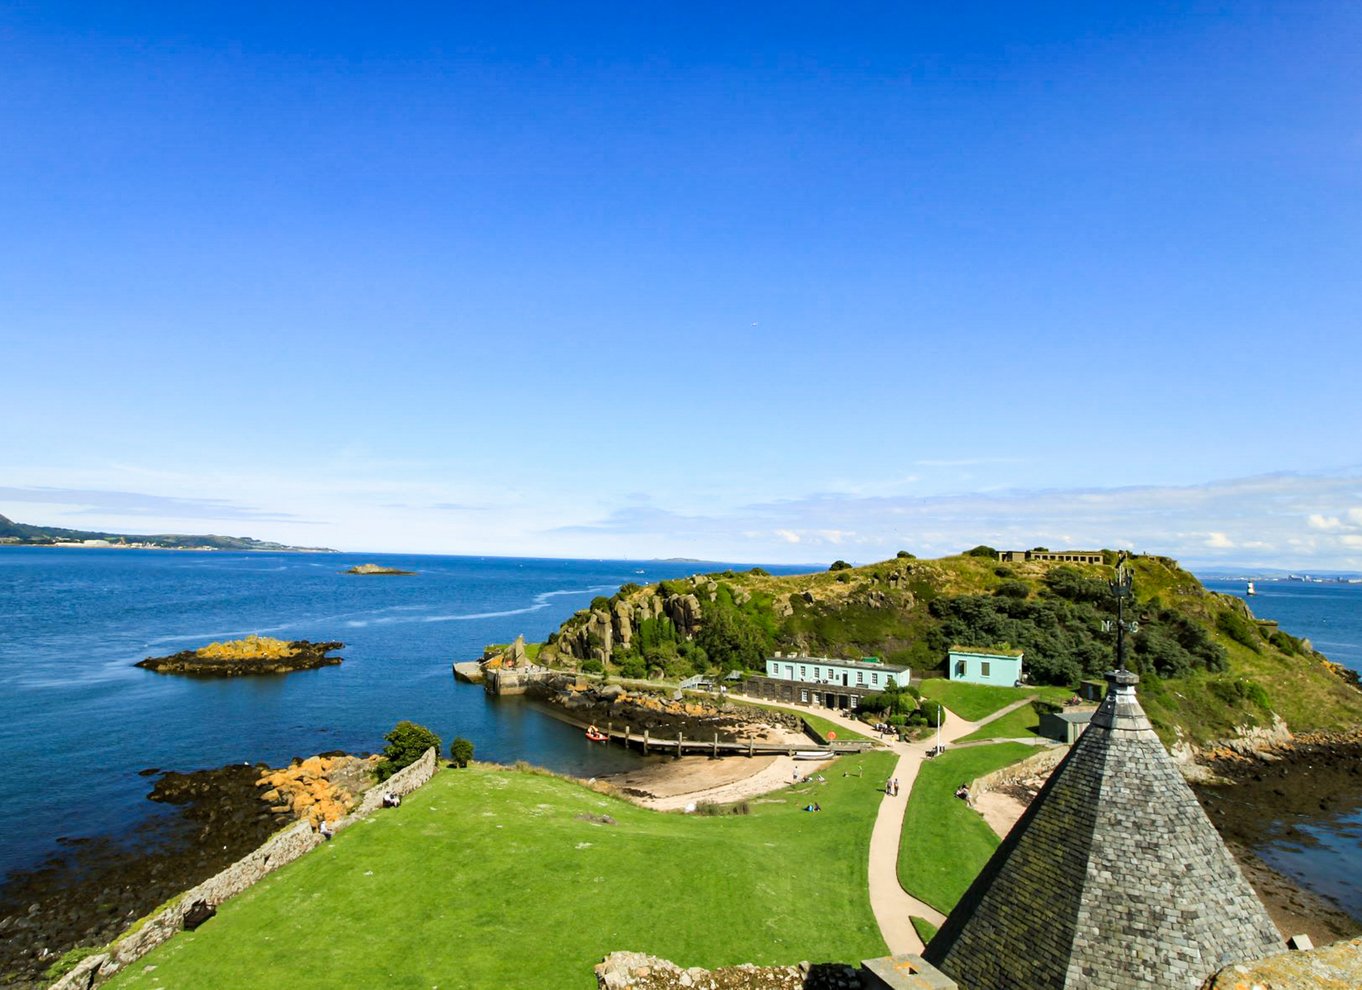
{"x":989,"y":651}
{"x":834,"y":662}
{"x":1114,"y":878}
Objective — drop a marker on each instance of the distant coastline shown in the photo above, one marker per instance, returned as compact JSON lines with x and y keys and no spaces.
{"x":23,"y":535}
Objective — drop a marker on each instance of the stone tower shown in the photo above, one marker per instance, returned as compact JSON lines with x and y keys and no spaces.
{"x":1113,"y":879}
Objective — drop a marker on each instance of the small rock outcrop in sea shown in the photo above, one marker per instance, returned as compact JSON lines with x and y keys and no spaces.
{"x":375,"y":569}
{"x":251,"y":656}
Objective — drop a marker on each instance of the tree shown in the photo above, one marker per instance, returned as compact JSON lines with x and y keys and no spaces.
{"x":406,"y":744}
{"x":732,"y":639}
{"x":460,"y":752}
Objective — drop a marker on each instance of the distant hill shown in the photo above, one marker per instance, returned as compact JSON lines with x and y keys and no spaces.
{"x":22,"y":534}
{"x":1209,"y":668}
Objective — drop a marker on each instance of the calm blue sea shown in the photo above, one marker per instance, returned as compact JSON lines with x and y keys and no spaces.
{"x":79,"y":720}
{"x":1328,"y":857}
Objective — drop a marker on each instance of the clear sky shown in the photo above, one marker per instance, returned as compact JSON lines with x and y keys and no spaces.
{"x":779,"y":282}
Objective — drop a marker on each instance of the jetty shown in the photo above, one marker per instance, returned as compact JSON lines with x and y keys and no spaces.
{"x":683,"y":745}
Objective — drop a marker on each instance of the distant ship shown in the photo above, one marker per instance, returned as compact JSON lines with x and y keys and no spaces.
{"x":1251,"y":591}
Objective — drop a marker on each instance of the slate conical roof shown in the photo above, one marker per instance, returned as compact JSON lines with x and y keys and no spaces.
{"x":1114,"y":878}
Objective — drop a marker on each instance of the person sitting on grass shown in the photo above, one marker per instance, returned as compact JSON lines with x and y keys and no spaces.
{"x":962,"y":792}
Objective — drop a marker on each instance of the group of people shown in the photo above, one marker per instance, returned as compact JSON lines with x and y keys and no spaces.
{"x":962,"y":792}
{"x":392,"y":800}
{"x":813,"y":807}
{"x":891,"y":787}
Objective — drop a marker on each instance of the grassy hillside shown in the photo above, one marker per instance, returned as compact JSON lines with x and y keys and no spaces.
{"x":1208,"y":668}
{"x":489,"y":877}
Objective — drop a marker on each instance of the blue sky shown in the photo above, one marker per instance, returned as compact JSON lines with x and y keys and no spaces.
{"x":771,"y":283}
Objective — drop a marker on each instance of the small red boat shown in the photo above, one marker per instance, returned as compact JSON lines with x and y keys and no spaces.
{"x":596,"y":735}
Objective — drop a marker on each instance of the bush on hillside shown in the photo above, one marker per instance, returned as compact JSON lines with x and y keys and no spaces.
{"x":406,"y":743}
{"x":1239,"y":629}
{"x":839,"y":565}
{"x":982,"y":551}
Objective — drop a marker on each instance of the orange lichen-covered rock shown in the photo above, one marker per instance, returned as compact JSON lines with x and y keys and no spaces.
{"x":318,"y":788}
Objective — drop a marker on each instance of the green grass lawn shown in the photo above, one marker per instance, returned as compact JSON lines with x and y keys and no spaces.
{"x":823,"y":726}
{"x":975,"y":701}
{"x":924,"y":928}
{"x":1022,"y":723}
{"x":945,"y":843}
{"x":489,"y":877}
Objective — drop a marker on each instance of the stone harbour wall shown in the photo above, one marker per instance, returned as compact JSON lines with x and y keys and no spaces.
{"x":281,"y":848}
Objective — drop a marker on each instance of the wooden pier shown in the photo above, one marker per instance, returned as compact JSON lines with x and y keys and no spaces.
{"x":680,"y":745}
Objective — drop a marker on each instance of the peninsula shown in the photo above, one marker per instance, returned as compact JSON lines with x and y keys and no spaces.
{"x":24,"y":535}
{"x":246,"y":657}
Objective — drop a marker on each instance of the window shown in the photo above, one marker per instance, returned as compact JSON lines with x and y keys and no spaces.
{"x":983,"y":668}
{"x":959,"y":668}
{"x":874,"y":678}
{"x":789,"y":671}
{"x":803,"y":697}
{"x":860,"y":677}
{"x":803,"y":672}
{"x":816,"y":675}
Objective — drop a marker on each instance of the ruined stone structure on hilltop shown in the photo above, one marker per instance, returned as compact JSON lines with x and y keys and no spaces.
{"x":1113,"y":879}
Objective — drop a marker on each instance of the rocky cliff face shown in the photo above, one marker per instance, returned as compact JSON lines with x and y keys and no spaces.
{"x":594,"y":634}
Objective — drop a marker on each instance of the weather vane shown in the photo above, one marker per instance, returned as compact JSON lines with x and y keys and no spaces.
{"x":1121,"y":588}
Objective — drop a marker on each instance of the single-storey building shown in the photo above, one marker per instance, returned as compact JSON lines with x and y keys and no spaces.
{"x":1052,"y":556}
{"x":1065,"y":726}
{"x":985,"y":666}
{"x":824,"y":681}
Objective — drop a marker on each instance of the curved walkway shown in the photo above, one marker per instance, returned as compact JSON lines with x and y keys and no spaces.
{"x":893,"y":906}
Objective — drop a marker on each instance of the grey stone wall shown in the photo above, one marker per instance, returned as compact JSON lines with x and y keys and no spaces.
{"x":279,"y":850}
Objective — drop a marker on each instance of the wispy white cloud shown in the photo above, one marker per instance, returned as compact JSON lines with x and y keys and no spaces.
{"x":1276,"y":519}
{"x":94,"y":502}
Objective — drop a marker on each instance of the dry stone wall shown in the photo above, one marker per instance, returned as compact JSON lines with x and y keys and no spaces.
{"x":282,"y":848}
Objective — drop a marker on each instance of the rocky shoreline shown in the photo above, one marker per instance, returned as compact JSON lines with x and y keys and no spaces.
{"x":88,"y":893}
{"x":613,"y":706}
{"x":1261,"y":800}
{"x":305,"y":656}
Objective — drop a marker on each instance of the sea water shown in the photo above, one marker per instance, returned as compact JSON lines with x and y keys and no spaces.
{"x":1326,"y":853}
{"x":80,"y":721}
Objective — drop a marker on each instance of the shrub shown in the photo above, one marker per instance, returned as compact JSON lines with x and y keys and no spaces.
{"x":1239,"y":690}
{"x":1013,"y":589}
{"x":982,"y":551}
{"x":592,"y":666}
{"x":460,"y":752}
{"x":905,"y":555}
{"x":839,"y":565}
{"x":630,"y":588}
{"x":759,"y":572}
{"x":406,"y":743}
{"x":932,"y":712}
{"x":897,"y":720}
{"x":1239,"y":629}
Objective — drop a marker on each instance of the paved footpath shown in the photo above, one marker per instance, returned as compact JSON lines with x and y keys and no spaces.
{"x":893,"y":906}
